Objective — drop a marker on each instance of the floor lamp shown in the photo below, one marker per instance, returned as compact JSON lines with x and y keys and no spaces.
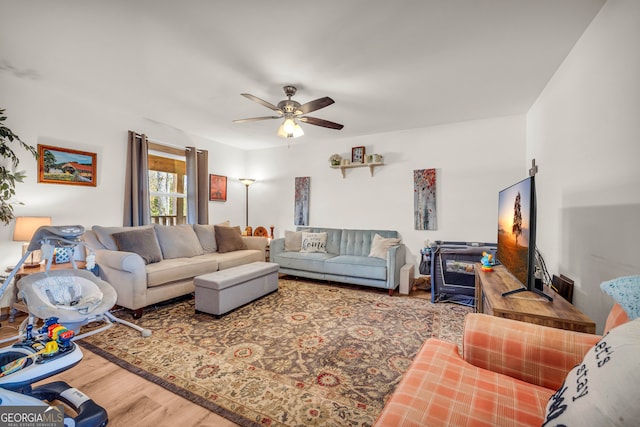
{"x":247,"y":182}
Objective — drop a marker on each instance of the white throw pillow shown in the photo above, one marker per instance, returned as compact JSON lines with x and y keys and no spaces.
{"x":314,"y":242}
{"x":603,"y":389}
{"x":380,"y":246}
{"x":292,"y":241}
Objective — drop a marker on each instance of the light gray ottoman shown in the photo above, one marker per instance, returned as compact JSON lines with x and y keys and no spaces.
{"x":222,"y":291}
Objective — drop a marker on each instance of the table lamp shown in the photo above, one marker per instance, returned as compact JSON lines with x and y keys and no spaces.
{"x":26,"y":227}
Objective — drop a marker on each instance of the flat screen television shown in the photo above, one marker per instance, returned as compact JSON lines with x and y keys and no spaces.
{"x":517,"y":234}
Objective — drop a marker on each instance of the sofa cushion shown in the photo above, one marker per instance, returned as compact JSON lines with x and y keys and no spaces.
{"x":207,"y":236}
{"x":178,"y":241}
{"x":306,"y":261}
{"x":313,"y":242}
{"x":357,"y":266}
{"x":141,"y":241}
{"x":358,"y":242}
{"x":603,"y":389}
{"x":171,"y":270}
{"x":235,"y":258}
{"x":229,"y":239}
{"x":104,"y":234}
{"x":292,"y":241}
{"x":380,"y":246}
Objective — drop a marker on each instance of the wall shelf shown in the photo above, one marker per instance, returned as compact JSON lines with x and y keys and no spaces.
{"x":371,"y":166}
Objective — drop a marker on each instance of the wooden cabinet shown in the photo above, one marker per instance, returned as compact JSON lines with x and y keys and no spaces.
{"x":526,"y":306}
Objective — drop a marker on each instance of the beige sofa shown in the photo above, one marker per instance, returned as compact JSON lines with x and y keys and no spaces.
{"x":154,"y":263}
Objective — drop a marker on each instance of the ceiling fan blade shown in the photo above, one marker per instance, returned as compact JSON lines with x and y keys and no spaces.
{"x":255,"y":119}
{"x":314,"y":105}
{"x":321,"y":122}
{"x":261,"y":101}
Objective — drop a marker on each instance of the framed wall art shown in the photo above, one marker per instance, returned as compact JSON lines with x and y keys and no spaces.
{"x":424,"y":199}
{"x":301,"y":204}
{"x":217,"y":188}
{"x":357,"y":154}
{"x":57,"y":165}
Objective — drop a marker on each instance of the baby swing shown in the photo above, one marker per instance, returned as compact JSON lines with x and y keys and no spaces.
{"x":65,"y":300}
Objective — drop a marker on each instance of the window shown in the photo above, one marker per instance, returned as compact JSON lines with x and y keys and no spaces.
{"x":167,"y":185}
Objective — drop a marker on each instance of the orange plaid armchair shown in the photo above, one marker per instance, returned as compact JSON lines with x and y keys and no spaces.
{"x":505,"y":377}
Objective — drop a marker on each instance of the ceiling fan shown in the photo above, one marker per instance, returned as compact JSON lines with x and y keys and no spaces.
{"x":291,"y":111}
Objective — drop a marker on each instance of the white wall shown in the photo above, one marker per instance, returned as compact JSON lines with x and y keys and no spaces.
{"x":474,"y":160}
{"x":40,"y":115}
{"x":584,"y":132}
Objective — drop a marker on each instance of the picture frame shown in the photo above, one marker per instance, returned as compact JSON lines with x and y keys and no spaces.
{"x":217,"y":188}
{"x":57,"y":165}
{"x":357,"y":154}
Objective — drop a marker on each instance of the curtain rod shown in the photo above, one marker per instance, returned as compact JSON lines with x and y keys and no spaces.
{"x":155,"y":141}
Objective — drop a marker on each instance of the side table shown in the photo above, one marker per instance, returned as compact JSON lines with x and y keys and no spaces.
{"x":18,"y":304}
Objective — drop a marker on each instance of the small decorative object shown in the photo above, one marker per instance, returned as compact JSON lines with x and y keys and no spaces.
{"x":271,"y":227}
{"x":368,"y":158}
{"x":346,"y":162}
{"x":261,"y":232}
{"x":487,"y":261}
{"x":335,"y":159}
{"x":58,"y":165}
{"x":377,"y":158}
{"x":218,"y":187}
{"x":357,"y":154}
{"x":248,"y":231}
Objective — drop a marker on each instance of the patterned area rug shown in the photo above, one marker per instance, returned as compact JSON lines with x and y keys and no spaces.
{"x":309,"y":354}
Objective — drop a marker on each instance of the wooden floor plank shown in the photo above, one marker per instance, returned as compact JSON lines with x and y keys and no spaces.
{"x":130,"y":400}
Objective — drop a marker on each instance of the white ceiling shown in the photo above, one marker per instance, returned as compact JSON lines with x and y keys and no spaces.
{"x":389,"y":65}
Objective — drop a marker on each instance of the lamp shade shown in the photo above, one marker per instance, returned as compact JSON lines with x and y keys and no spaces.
{"x":26,"y":227}
{"x":247,"y":181}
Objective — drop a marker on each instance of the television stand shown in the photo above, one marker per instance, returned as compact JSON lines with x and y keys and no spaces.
{"x":490,"y":285}
{"x":537,"y":291}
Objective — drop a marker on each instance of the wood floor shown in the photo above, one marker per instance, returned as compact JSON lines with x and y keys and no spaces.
{"x":131,"y":400}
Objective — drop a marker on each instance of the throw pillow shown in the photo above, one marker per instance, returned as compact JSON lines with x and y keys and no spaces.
{"x":207,"y":237}
{"x":141,"y":241}
{"x":104,"y":234}
{"x":178,"y":241}
{"x":626,"y":292}
{"x":603,"y":389}
{"x":314,"y":242}
{"x":292,"y":241}
{"x":380,"y":246}
{"x":229,"y":239}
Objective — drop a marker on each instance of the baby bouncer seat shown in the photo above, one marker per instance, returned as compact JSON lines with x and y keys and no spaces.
{"x":65,"y":301}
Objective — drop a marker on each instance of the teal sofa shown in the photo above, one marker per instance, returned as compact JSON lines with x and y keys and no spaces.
{"x":347,"y":259}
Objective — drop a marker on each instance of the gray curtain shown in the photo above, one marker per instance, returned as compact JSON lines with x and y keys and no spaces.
{"x":197,"y":186}
{"x":137,"y":210}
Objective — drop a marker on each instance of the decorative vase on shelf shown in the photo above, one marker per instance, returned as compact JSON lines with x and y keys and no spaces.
{"x":335,"y":159}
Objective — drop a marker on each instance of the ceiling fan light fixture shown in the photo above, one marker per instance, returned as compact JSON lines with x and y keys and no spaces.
{"x":290,"y":129}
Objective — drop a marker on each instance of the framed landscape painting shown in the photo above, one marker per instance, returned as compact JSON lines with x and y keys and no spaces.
{"x":58,"y":165}
{"x":217,"y":188}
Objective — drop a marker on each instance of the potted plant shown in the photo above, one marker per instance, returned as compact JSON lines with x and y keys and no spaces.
{"x":335,"y":159}
{"x":8,"y":175}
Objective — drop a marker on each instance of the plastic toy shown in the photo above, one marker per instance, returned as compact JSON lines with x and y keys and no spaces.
{"x":487,"y":261}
